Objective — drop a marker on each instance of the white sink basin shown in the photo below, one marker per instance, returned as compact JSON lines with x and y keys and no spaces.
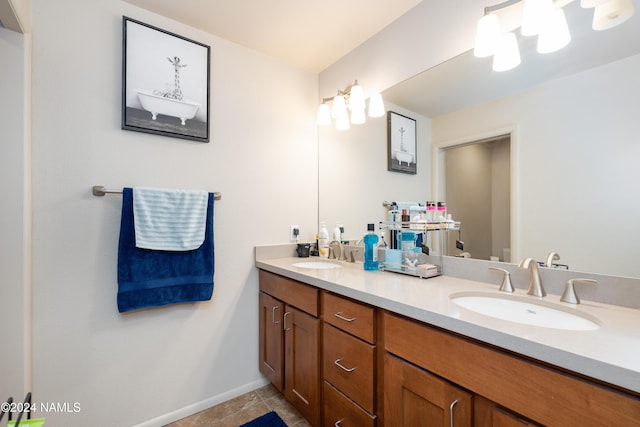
{"x":319,"y":265}
{"x":526,"y":311}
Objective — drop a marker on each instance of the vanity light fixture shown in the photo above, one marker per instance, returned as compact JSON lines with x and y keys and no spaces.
{"x":610,"y":13}
{"x":351,"y":99}
{"x":542,"y":18}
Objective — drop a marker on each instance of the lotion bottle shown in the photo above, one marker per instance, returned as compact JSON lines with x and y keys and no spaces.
{"x":337,"y":232}
{"x":323,"y":241}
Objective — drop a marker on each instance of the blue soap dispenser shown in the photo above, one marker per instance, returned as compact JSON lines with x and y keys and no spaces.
{"x":370,"y":249}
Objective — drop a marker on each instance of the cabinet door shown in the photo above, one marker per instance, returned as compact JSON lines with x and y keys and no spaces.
{"x":271,"y":342}
{"x":302,"y":369}
{"x":489,"y":414}
{"x":414,"y":397}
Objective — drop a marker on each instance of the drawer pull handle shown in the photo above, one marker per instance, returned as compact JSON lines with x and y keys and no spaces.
{"x":451,"y":412}
{"x":284,"y":318}
{"x":337,"y":423}
{"x":344,"y":368}
{"x":273,"y":314}
{"x":346,"y":319}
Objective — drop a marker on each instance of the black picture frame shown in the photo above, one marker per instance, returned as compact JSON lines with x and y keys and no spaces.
{"x":401,"y":144}
{"x":165,"y":82}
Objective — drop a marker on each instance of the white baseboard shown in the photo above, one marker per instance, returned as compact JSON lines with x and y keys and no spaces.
{"x":194,"y":408}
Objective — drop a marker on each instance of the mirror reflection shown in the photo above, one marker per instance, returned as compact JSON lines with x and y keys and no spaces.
{"x":477,"y":188}
{"x":572,"y":117}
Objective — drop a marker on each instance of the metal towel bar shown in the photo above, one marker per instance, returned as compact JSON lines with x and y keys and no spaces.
{"x":99,"y":190}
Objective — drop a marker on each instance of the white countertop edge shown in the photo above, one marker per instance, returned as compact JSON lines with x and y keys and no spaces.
{"x":606,"y":372}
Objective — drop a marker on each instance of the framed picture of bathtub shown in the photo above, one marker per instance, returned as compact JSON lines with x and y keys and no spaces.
{"x":165,"y":82}
{"x":401,"y":143}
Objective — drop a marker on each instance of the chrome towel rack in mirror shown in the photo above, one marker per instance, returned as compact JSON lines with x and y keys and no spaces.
{"x":100,"y":190}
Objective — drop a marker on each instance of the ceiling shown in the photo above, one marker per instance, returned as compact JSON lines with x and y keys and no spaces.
{"x":308,"y":34}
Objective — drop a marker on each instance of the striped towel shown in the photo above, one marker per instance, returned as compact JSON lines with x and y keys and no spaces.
{"x":169,"y":220}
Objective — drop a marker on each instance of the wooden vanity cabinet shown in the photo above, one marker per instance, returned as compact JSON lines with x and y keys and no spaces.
{"x":502,"y":383}
{"x":489,"y":414}
{"x":415,"y":397}
{"x":271,"y":340}
{"x":349,"y":362}
{"x":344,"y":363}
{"x":289,"y":346}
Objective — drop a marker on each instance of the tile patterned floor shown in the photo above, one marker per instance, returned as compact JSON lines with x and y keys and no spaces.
{"x":242,"y":409}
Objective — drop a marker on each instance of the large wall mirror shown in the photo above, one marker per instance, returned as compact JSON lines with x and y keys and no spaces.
{"x":574,"y":151}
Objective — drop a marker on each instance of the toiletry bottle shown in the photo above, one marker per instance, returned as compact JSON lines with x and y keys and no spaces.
{"x":370,"y":248}
{"x":442,"y":212}
{"x":406,"y":218}
{"x":337,"y":232}
{"x":323,"y":241}
{"x":431,"y":211}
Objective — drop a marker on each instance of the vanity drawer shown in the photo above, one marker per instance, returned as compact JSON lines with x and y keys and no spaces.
{"x":297,"y":294}
{"x":339,"y":410}
{"x":350,"y":316}
{"x":348,"y":364}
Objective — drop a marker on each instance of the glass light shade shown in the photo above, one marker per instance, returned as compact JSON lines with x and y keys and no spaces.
{"x":376,"y":105}
{"x":342,"y":122}
{"x":555,"y":35}
{"x":356,"y":98}
{"x":357,"y":117}
{"x":324,"y":115}
{"x":535,"y":16}
{"x":507,"y":54}
{"x":339,"y":107}
{"x":591,"y":3}
{"x":487,"y":34}
{"x":612,"y":13}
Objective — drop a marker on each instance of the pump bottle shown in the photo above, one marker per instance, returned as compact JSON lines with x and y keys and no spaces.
{"x":323,"y":241}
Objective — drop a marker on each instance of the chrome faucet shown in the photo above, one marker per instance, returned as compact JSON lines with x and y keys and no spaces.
{"x":535,"y":284}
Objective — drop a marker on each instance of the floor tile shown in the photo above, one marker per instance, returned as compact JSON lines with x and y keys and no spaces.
{"x":245,"y":408}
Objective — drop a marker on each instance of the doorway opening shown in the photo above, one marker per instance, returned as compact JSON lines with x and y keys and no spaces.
{"x":476,"y":185}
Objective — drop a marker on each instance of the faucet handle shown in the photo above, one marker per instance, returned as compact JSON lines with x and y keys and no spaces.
{"x":336,"y":250}
{"x":569,"y":294}
{"x":506,"y":285}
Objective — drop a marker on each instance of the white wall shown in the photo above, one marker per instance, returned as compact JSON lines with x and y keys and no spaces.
{"x":14,"y":248}
{"x":128,"y":369}
{"x":354,"y":180}
{"x":427,"y":35}
{"x":577,"y":165}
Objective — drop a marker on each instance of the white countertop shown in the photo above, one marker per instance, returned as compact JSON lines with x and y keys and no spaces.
{"x":610,"y":353}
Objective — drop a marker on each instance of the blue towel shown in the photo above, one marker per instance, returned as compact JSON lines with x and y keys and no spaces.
{"x":148,"y":278}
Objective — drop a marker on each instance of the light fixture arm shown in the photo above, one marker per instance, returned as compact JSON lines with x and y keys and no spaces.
{"x":496,"y":7}
{"x":352,"y":100}
{"x":344,"y":93}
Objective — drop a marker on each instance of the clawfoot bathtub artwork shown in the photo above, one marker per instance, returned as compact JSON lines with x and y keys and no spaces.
{"x":155,"y":104}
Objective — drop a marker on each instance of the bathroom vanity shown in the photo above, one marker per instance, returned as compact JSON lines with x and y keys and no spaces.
{"x":384,"y":349}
